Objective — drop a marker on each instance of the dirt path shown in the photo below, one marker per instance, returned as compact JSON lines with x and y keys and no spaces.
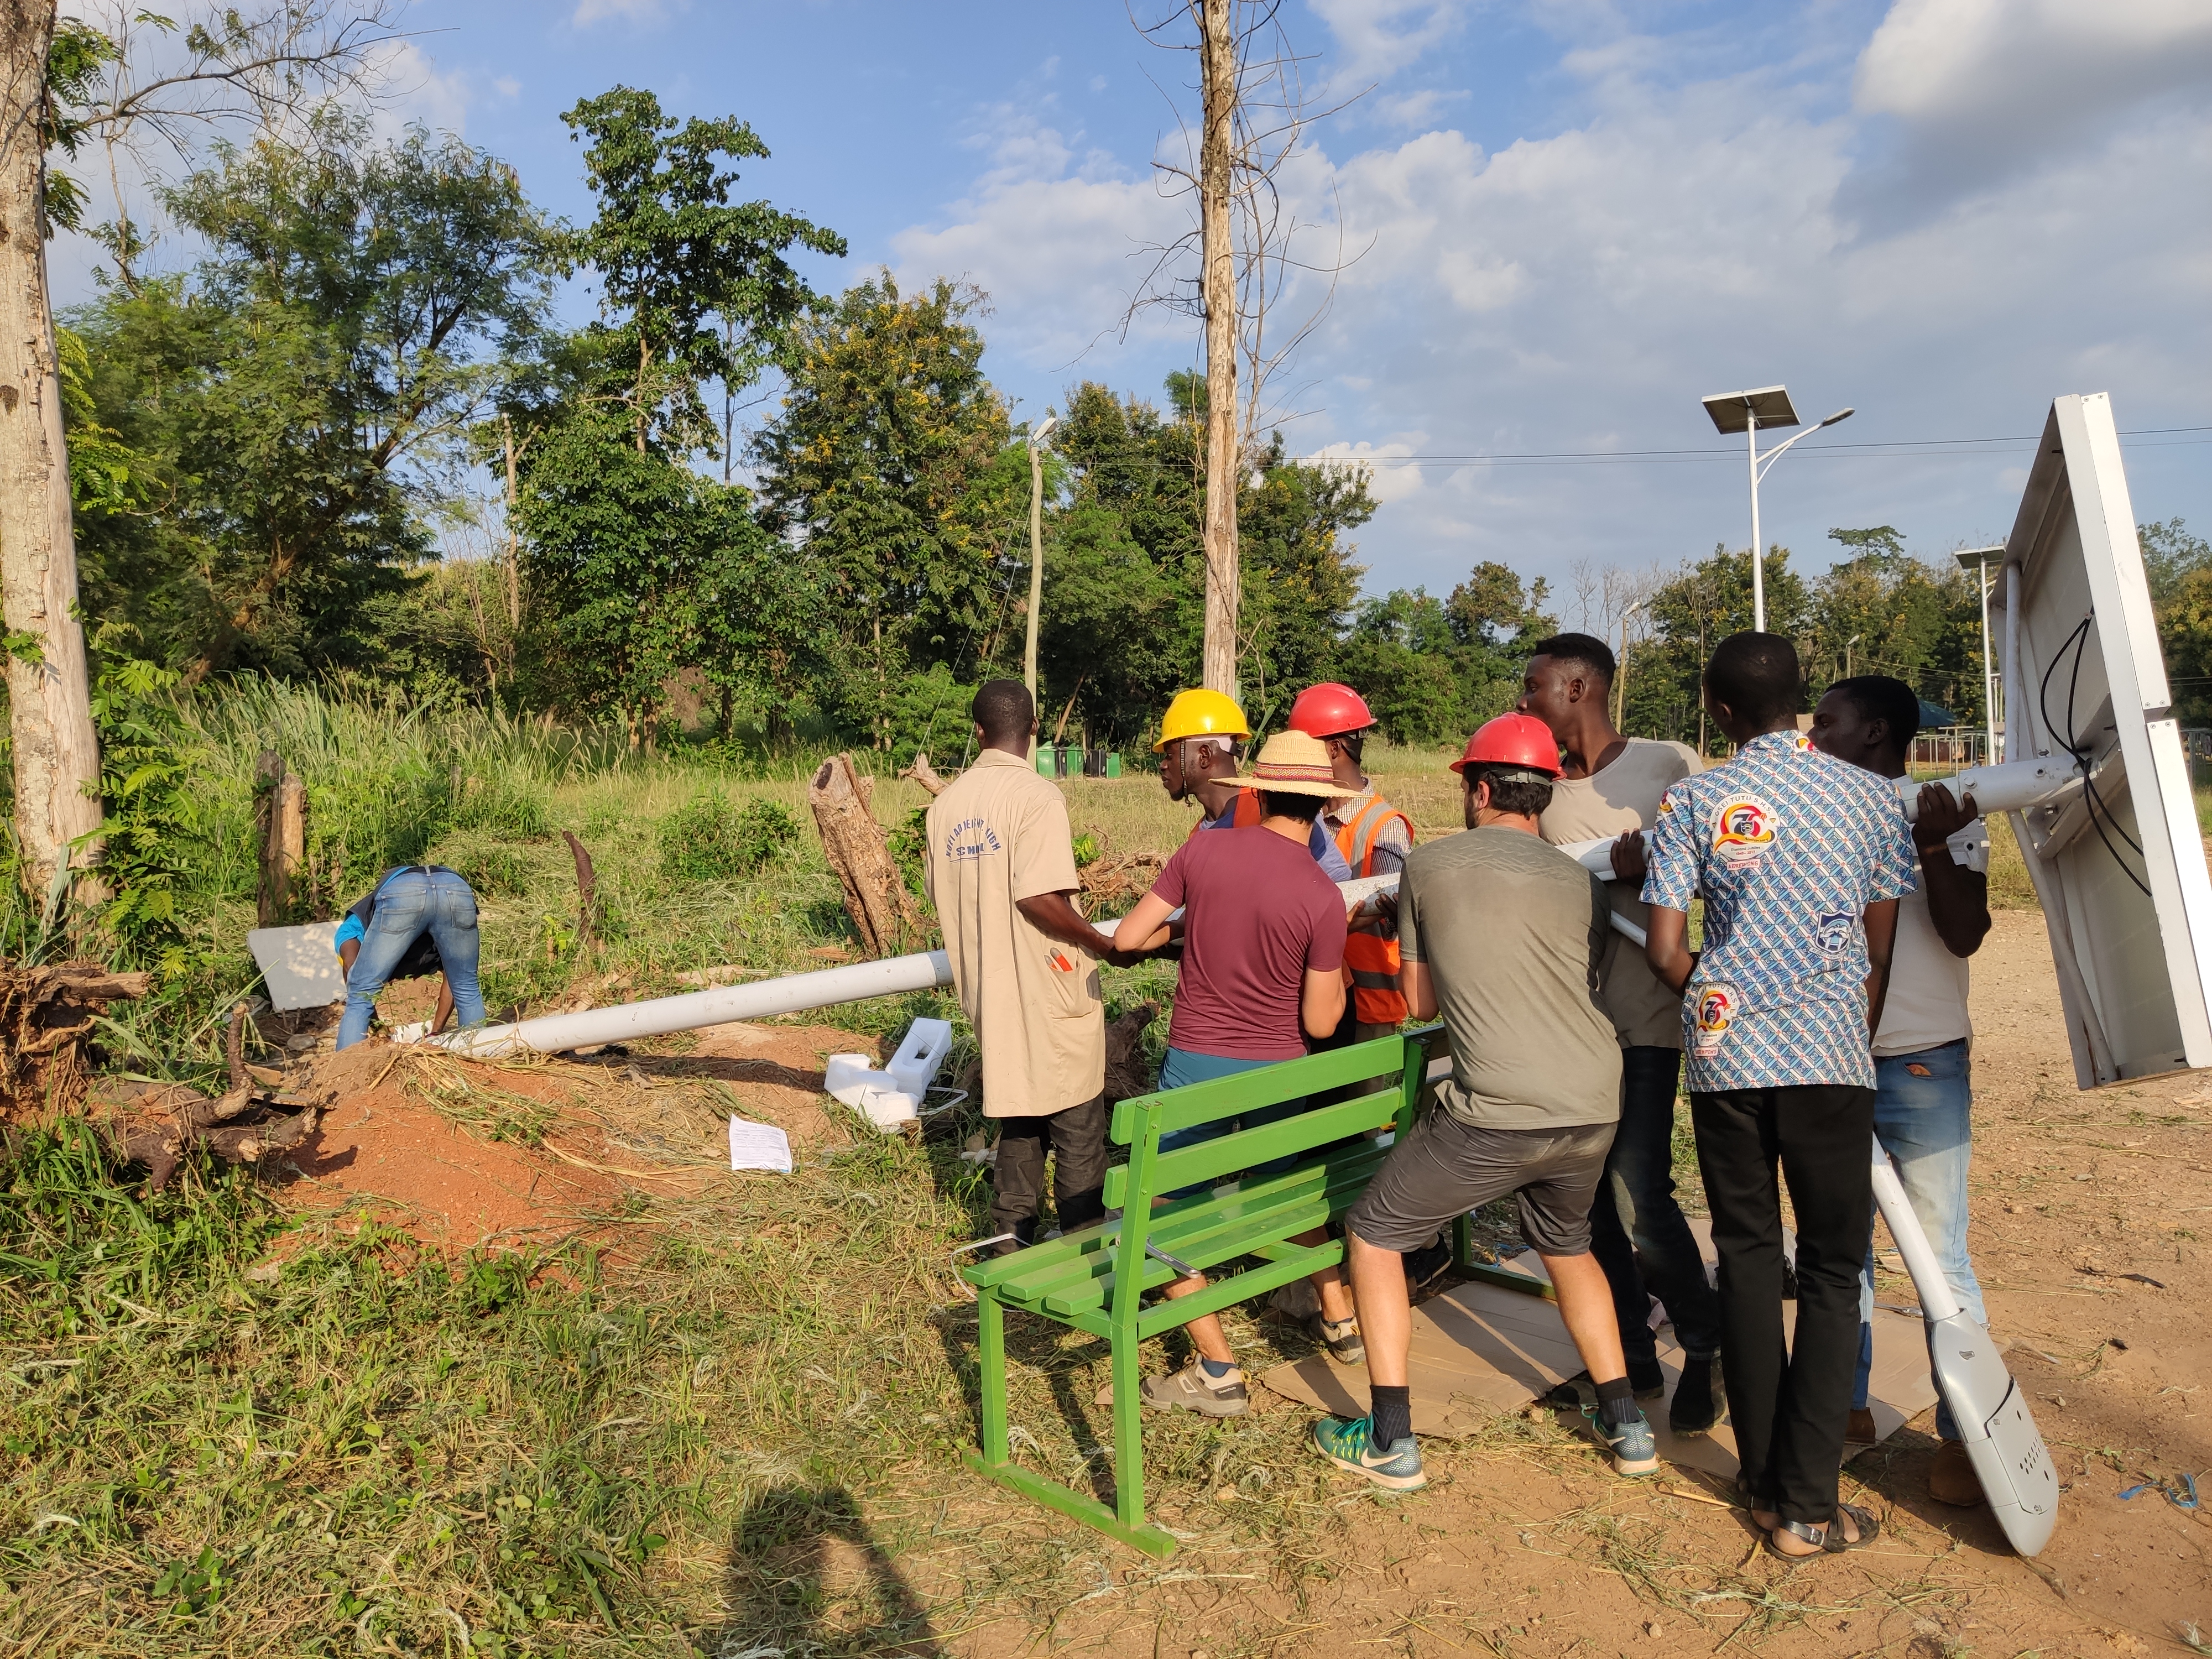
{"x":1523,"y":1545}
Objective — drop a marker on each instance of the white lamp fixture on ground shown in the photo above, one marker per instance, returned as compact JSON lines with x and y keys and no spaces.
{"x":1746,"y":412}
{"x":2002,"y":1440}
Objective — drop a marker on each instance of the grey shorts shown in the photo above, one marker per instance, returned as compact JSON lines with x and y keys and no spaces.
{"x":1446,"y":1168}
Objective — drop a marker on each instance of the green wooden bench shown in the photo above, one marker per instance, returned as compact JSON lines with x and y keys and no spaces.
{"x":1096,"y":1279}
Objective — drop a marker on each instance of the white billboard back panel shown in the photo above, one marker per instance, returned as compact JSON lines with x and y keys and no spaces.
{"x":2117,"y":862}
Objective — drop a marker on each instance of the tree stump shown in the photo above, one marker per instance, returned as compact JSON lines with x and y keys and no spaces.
{"x":282,"y":799}
{"x":46,"y":1017}
{"x":875,"y":895}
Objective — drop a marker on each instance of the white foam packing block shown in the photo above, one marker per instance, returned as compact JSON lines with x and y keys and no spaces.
{"x":299,"y":965}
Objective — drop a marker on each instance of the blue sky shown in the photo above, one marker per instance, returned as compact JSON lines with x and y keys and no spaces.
{"x":1577,"y":217}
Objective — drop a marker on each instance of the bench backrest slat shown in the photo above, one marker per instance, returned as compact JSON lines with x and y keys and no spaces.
{"x":1320,"y":1126}
{"x":1228,"y":1097}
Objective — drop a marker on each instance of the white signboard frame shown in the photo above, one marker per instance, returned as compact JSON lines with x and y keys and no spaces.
{"x":2118,"y":863}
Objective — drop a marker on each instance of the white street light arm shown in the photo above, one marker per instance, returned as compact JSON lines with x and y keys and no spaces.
{"x":1776,"y":453}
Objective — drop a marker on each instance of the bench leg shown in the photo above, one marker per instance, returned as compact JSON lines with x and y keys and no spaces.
{"x":1462,"y":1245}
{"x":1126,"y":1522}
{"x":991,"y":1351}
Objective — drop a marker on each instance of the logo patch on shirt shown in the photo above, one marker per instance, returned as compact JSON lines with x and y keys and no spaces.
{"x":1743,"y":831}
{"x":1716,"y":1006}
{"x":1834,"y":932}
{"x":971,"y":838}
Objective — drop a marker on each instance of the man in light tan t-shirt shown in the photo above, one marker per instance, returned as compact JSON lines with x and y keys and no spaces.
{"x":1611,"y":785}
{"x":1000,"y":869}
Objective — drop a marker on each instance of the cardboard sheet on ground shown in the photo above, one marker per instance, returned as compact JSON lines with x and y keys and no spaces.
{"x":299,"y":965}
{"x":1481,"y":1349}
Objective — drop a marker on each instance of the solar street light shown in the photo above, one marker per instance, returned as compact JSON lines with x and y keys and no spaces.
{"x":1745,"y":412}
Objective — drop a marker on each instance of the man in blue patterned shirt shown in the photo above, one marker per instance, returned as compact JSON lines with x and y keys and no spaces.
{"x":1800,"y":860}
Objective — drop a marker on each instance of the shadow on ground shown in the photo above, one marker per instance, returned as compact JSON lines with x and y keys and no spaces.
{"x":807,"y":1575}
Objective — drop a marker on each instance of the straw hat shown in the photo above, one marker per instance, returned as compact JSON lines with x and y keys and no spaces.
{"x":1294,"y":763}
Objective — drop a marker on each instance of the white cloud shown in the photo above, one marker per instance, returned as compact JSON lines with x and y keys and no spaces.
{"x":588,"y":12}
{"x":1377,"y":38}
{"x":1679,"y":232}
{"x":418,"y":93}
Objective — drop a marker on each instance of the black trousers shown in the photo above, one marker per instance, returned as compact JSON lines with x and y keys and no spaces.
{"x":1789,"y":1401}
{"x":1637,"y":1230}
{"x":1077,"y":1137}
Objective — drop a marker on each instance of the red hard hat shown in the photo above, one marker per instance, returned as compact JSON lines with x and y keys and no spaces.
{"x":1330,"y":710}
{"x":1512,"y":740}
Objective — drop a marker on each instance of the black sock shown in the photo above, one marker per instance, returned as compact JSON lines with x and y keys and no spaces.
{"x":1616,"y":1402}
{"x":1393,"y":1410}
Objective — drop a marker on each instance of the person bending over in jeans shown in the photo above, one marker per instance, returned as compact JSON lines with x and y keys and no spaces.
{"x":1262,"y":972}
{"x":1923,"y":1089}
{"x":1505,"y":935}
{"x":1610,"y":785}
{"x":419,"y":919}
{"x":1801,"y":858}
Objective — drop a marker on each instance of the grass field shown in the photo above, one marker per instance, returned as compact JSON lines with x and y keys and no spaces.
{"x":736,"y":1434}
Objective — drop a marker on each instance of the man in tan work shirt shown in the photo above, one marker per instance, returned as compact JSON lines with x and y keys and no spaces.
{"x":1611,"y":785}
{"x":1000,"y":871}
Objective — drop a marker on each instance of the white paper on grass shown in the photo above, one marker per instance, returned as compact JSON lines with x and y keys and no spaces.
{"x":759,"y":1147}
{"x":301,"y":965}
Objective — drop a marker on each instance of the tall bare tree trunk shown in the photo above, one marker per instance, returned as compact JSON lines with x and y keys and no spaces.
{"x":49,"y":696}
{"x":1217,"y":72}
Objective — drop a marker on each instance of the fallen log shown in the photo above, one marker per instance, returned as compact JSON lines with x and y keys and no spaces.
{"x":242,"y":1126}
{"x":46,"y":1015}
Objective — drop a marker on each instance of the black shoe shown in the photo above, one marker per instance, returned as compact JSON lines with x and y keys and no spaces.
{"x":1425,"y":1266}
{"x":1646,"y":1378}
{"x":1699,"y":1400}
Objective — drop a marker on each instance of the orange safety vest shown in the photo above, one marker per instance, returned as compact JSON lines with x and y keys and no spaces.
{"x":1374,"y":960}
{"x":1247,"y":813}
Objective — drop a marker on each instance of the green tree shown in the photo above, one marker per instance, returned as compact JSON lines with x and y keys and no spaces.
{"x":296,"y":406}
{"x":1690,"y":614}
{"x":892,"y":472}
{"x":694,"y":288}
{"x":2180,"y":568}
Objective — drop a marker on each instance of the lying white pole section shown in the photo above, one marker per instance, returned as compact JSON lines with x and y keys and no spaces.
{"x":553,"y":1034}
{"x":2008,"y":787}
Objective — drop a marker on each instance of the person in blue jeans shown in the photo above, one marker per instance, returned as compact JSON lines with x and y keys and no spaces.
{"x":419,"y":919}
{"x":1923,"y":1084}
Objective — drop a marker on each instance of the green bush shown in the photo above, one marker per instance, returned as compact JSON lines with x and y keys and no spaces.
{"x":505,"y":805}
{"x":707,"y":838}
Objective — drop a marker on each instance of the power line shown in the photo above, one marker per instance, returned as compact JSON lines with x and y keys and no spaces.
{"x":1876,"y":449}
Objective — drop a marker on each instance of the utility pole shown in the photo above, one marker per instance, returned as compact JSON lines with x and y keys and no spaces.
{"x":1036,"y":560}
{"x":1217,"y":55}
{"x":56,"y":751}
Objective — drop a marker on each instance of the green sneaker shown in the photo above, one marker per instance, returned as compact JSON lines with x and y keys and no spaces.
{"x":1634,"y":1445}
{"x":1349,"y":1444}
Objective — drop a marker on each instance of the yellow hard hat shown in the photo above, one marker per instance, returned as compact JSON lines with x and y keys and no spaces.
{"x":1201,"y":715}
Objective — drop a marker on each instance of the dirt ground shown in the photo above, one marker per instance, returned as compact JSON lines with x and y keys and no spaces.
{"x":469,"y":1155}
{"x":1516,"y":1550}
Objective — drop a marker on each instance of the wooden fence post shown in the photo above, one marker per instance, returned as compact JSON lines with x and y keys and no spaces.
{"x":280,"y":797}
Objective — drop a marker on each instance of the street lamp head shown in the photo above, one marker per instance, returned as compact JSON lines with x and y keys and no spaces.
{"x":1840,"y":415}
{"x":1974,"y":558}
{"x":1044,"y":430}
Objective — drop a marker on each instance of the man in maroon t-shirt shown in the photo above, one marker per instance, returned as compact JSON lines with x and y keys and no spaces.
{"x":1262,"y":971}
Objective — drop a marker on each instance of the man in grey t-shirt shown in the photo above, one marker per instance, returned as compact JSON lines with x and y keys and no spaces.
{"x":1503,"y":935}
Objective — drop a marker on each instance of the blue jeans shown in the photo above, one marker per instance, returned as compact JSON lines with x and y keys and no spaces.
{"x":1182,"y":1067}
{"x":406,"y":906}
{"x":1638,"y":1231}
{"x":1922,"y":1116}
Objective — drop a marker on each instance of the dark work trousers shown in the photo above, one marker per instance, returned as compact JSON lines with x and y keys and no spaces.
{"x":1638,"y":1231}
{"x":1788,"y":1404}
{"x":1077,"y":1137}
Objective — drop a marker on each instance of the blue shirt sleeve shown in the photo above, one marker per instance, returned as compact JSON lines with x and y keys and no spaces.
{"x":1897,"y":861}
{"x":1671,"y":869}
{"x":349,"y":928}
{"x":1324,"y":849}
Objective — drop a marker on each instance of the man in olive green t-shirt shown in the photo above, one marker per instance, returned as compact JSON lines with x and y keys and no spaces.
{"x":1610,"y":785}
{"x":1503,"y":935}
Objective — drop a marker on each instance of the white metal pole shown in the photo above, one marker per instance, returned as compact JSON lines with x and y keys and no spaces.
{"x":2014,"y":704}
{"x":1758,"y":565}
{"x":1036,"y":579}
{"x":1989,"y":684}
